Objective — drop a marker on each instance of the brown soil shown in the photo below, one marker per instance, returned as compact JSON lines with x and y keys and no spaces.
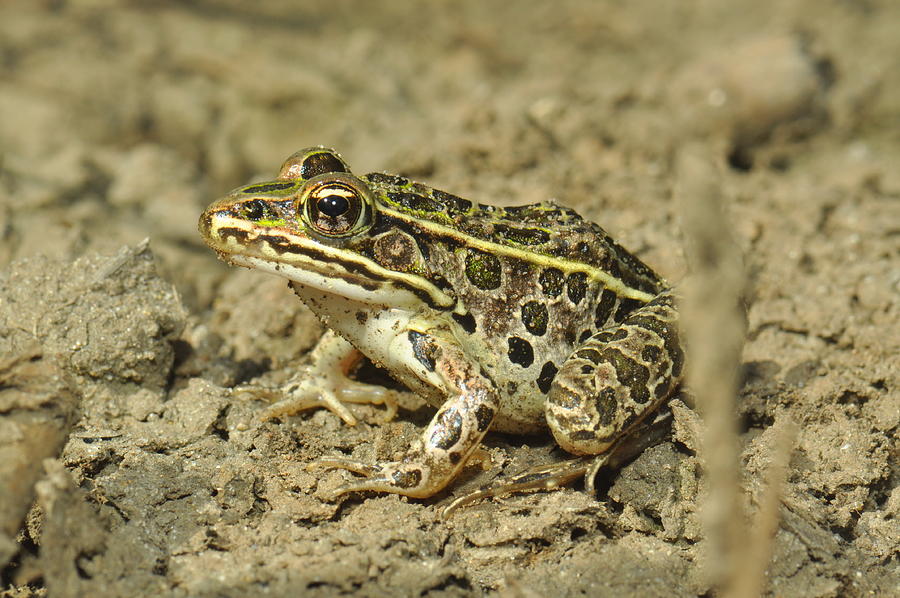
{"x":120,"y":122}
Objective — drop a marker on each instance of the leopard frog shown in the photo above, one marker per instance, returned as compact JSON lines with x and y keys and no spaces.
{"x":515,"y":319}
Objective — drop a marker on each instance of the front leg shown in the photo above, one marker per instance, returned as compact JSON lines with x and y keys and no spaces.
{"x":453,"y":434}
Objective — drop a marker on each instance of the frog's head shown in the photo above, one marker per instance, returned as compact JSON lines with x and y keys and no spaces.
{"x":314,"y":194}
{"x":311,"y":225}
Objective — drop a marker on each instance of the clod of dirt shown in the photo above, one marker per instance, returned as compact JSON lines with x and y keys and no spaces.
{"x":111,"y":320}
{"x":37,"y":410}
{"x":97,"y":327}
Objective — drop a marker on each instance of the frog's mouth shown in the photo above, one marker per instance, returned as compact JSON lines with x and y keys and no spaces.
{"x":305,"y":260}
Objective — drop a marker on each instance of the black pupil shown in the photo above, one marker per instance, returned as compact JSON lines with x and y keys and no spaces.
{"x":333,"y":205}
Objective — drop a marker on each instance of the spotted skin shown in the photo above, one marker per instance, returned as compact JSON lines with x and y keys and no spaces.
{"x":517,"y":319}
{"x":615,"y":378}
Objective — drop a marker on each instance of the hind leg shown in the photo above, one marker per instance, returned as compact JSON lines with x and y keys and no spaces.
{"x":603,"y":404}
{"x":616,"y":379}
{"x":640,"y":437}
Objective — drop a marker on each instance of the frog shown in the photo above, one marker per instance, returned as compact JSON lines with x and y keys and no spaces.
{"x":518,"y":319}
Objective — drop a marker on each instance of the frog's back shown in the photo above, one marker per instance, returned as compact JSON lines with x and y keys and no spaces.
{"x":542,"y":229}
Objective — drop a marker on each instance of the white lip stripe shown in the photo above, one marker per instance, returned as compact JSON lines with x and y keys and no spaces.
{"x":235,"y":249}
{"x":387,"y":295}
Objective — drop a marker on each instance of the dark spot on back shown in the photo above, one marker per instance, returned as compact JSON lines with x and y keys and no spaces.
{"x":534,"y":317}
{"x":362,"y":317}
{"x":466,"y":321}
{"x":522,"y":236}
{"x":414,"y":201}
{"x":452,"y":204}
{"x":545,"y":379}
{"x":591,"y":354}
{"x":619,"y":334}
{"x":576,"y":286}
{"x":626,"y":306}
{"x":387,"y":179}
{"x":667,"y":299}
{"x":520,"y":351}
{"x":614,"y":268}
{"x":603,"y":337}
{"x":604,"y":308}
{"x":585,"y":334}
{"x":650,"y":353}
{"x":551,"y":281}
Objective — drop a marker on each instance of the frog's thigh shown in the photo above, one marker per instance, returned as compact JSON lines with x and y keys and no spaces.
{"x":453,"y":434}
{"x":616,"y":378}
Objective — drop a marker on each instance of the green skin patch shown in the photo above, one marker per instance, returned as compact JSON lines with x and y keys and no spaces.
{"x":483,"y":270}
{"x":271,"y":223}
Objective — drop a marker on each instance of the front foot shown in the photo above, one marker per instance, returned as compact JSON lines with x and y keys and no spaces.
{"x":315,"y":389}
{"x":325,"y":384}
{"x":408,"y":478}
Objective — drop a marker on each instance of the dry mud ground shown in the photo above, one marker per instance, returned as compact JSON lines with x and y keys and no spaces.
{"x":127,"y":468}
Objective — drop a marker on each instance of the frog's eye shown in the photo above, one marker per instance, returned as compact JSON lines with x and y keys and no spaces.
{"x":312,"y":162}
{"x":336,"y":205}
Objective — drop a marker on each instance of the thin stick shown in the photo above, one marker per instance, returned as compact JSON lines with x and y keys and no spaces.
{"x":713,"y":329}
{"x":750,"y":580}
